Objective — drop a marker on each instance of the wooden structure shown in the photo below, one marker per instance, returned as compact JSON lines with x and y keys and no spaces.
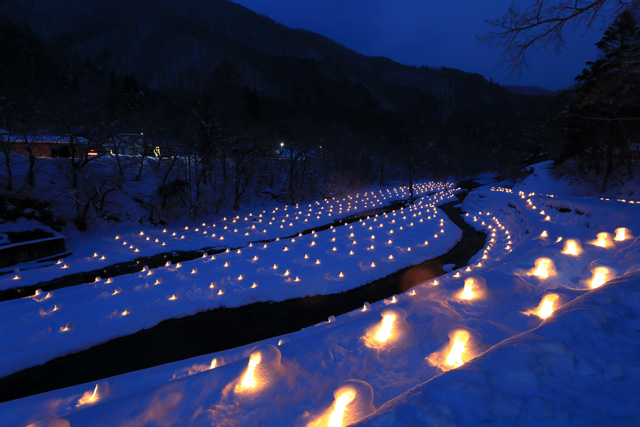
{"x":51,"y":146}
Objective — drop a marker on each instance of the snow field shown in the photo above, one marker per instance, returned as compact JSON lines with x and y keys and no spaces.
{"x":574,"y":369}
{"x":509,"y":365}
{"x":40,"y":328}
{"x":577,"y":368}
{"x":129,"y":243}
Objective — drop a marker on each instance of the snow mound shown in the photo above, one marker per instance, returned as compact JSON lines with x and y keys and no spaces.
{"x":577,"y":368}
{"x":541,"y":180}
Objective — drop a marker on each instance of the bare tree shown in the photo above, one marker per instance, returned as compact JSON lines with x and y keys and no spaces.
{"x":544,"y":23}
{"x":28,"y":145}
{"x":6,"y":140}
{"x":245,"y":154}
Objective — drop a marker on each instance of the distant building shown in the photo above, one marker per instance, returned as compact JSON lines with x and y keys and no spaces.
{"x":51,"y":146}
{"x":134,"y":144}
{"x":284,"y":153}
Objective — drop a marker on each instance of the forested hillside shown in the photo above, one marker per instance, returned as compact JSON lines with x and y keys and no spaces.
{"x":214,"y":79}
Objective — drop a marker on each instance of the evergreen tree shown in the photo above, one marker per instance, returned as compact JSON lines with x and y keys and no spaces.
{"x":605,"y":110}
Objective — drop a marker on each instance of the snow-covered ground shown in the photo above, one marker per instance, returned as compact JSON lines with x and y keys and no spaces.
{"x":92,"y":251}
{"x":40,"y":328}
{"x":468,"y":348}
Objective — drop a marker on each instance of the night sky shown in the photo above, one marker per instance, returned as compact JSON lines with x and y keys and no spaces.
{"x":430,"y":32}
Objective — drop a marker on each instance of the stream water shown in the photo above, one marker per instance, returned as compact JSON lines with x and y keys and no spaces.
{"x":226,"y":328}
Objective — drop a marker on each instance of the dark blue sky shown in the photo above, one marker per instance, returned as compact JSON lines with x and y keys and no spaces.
{"x":429,"y":32}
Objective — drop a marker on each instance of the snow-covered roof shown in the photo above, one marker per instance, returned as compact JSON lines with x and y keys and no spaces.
{"x":50,"y":139}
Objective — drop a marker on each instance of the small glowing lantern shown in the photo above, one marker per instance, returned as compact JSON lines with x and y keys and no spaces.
{"x":384,"y":331}
{"x":622,"y":234}
{"x":467,"y":292}
{"x":545,"y":309}
{"x":89,"y":397}
{"x":353,"y":400}
{"x":548,"y":304}
{"x":544,"y":268}
{"x":458,"y":347}
{"x":263,"y":366}
{"x":249,"y":380}
{"x":389,"y":329}
{"x":339,"y":407}
{"x":600,"y":276}
{"x":603,"y":240}
{"x":572,"y":247}
{"x":454,"y":354}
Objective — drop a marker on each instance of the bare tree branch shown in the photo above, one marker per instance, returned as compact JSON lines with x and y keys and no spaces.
{"x":543,"y":25}
{"x":607,"y":119}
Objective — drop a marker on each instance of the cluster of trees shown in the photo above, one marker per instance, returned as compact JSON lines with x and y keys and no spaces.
{"x":232,"y":88}
{"x":595,"y":129}
{"x":603,"y":116}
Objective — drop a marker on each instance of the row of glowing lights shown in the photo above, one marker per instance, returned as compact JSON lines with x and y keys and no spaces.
{"x":272,"y":222}
{"x":458,"y":341}
{"x":493,"y":236}
{"x":454,"y":356}
{"x":382,"y":334}
{"x":606,"y":199}
{"x":103,"y":257}
{"x":543,"y":269}
{"x":251,"y":381}
{"x":132,"y":247}
{"x":236,"y":230}
{"x":571,"y":248}
{"x":287,"y":273}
